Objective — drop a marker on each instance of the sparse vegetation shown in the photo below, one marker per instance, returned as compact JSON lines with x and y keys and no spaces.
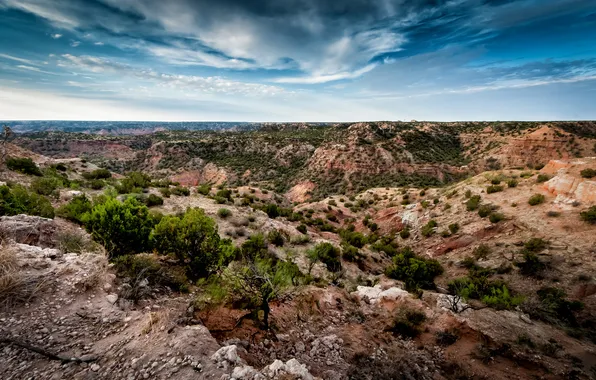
{"x":536,"y":199}
{"x":415,"y":271}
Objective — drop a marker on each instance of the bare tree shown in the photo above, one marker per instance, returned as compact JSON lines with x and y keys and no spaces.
{"x":6,"y":134}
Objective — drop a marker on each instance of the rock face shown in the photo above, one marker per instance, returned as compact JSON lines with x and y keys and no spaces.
{"x":568,"y":182}
{"x":31,"y":230}
{"x":301,"y":191}
{"x":376,"y":294}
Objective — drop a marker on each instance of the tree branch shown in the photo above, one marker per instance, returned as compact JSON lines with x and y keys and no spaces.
{"x":48,"y":354}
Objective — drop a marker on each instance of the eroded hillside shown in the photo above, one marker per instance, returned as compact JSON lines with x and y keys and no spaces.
{"x":218,"y":275}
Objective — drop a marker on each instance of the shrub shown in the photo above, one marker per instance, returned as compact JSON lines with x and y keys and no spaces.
{"x":224,"y":193}
{"x":353,"y":238}
{"x":542,"y":178}
{"x":532,"y":265}
{"x":473,"y":203}
{"x":302,"y":228}
{"x":223,"y":213}
{"x":153,"y":200}
{"x":73,"y":242}
{"x":536,"y":199}
{"x":429,"y":228}
{"x":555,"y":308}
{"x":481,"y":252}
{"x":18,"y":200}
{"x":351,"y":253}
{"x":588,"y":173}
{"x":97,"y":174}
{"x":589,"y":215}
{"x":180,"y":191}
{"x":204,"y":189}
{"x":121,"y":227}
{"x":415,"y":271}
{"x":485,"y":210}
{"x":165,"y":192}
{"x":192,"y":238}
{"x":133,"y":183}
{"x":496,"y":217}
{"x":147,"y":267}
{"x":300,"y":240}
{"x":405,"y":233}
{"x":326,"y":253}
{"x":276,"y":238}
{"x":407,"y":323}
{"x":512,"y":183}
{"x":454,"y":228}
{"x":45,"y":185}
{"x":272,"y":210}
{"x":23,"y":165}
{"x":553,"y":214}
{"x":495,"y":294}
{"x":494,"y":189}
{"x":75,"y":209}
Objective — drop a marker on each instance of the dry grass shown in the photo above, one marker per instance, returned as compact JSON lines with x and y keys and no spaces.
{"x":16,"y":286}
{"x":98,"y":268}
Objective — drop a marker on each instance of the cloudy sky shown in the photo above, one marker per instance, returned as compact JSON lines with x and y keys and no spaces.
{"x":286,"y":60}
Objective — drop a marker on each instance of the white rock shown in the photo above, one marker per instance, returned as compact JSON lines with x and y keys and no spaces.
{"x":112,"y":298}
{"x":227,"y":353}
{"x":294,"y":367}
{"x":95,"y":367}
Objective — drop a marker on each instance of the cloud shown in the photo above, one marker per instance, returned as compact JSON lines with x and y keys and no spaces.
{"x":326,"y":78}
{"x":75,"y":43}
{"x":56,"y":36}
{"x":18,"y":59}
{"x":212,"y":84}
{"x":36,"y":69}
{"x":99,"y":43}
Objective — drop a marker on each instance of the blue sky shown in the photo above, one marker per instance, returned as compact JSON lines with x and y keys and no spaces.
{"x":290,"y":60}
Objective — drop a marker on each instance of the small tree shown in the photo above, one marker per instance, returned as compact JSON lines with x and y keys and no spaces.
{"x":121,"y":227}
{"x":6,"y":134}
{"x":193,"y":239}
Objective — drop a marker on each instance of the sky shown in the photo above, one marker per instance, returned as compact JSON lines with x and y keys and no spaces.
{"x":291,"y":60}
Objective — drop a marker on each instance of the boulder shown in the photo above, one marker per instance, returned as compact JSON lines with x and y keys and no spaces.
{"x":30,"y":230}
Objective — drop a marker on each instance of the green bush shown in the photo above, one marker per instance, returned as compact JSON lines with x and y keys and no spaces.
{"x":134,"y":182}
{"x":404,"y":233}
{"x":121,"y":227}
{"x":46,"y":185}
{"x":473,"y":203}
{"x":224,"y":193}
{"x":512,"y":183}
{"x":589,"y":215}
{"x":300,"y":240}
{"x":23,"y":165}
{"x":429,"y":228}
{"x":153,"y":200}
{"x":75,"y":209}
{"x":272,"y":210}
{"x":407,"y":323}
{"x":97,"y":174}
{"x":588,"y":173}
{"x":326,"y":253}
{"x":485,"y":210}
{"x":481,"y":252}
{"x":302,"y":228}
{"x":454,"y":228}
{"x":204,"y":189}
{"x":353,"y":238}
{"x":532,"y":265}
{"x":494,"y":189}
{"x":224,"y":213}
{"x":542,"y":178}
{"x":536,"y":199}
{"x":192,"y":238}
{"x":351,"y":253}
{"x":554,"y":308}
{"x":493,"y":293}
{"x":180,"y":191}
{"x":18,"y":200}
{"x":276,"y":238}
{"x":415,"y":271}
{"x":496,"y":217}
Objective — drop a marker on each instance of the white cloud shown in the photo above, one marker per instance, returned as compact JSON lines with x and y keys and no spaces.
{"x":56,"y":36}
{"x":99,"y":43}
{"x":314,"y":79}
{"x":213,"y":84}
{"x":36,"y":69}
{"x":75,"y":43}
{"x":17,"y":59}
